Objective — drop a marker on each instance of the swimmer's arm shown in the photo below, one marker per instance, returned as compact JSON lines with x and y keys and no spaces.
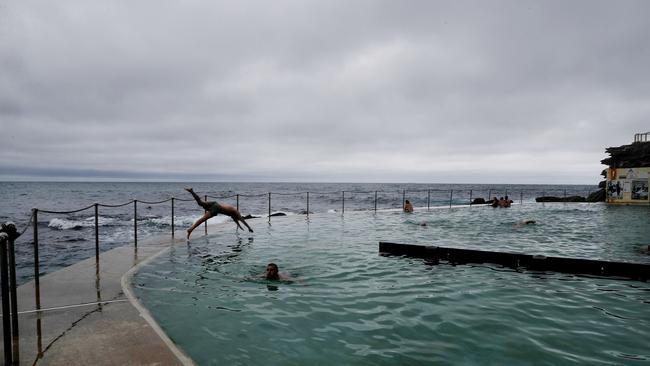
{"x":258,"y":277}
{"x":285,"y":277}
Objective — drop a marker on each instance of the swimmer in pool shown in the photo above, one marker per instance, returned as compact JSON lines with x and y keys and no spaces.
{"x":525,"y":222}
{"x":272,"y":273}
{"x":213,"y":208}
{"x":408,"y":207}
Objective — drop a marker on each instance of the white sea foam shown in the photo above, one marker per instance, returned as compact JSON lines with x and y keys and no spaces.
{"x":65,"y":224}
{"x":160,"y":221}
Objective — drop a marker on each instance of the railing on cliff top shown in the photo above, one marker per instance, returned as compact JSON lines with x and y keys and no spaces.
{"x":9,"y":234}
{"x":641,"y":137}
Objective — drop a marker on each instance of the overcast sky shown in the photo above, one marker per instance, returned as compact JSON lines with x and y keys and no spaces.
{"x":337,"y":91}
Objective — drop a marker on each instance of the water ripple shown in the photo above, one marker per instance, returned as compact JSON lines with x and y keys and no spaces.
{"x":352,"y":306}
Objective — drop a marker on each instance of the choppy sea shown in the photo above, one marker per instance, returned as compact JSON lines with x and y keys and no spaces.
{"x":67,"y":238}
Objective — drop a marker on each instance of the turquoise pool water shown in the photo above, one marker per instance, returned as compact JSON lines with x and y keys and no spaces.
{"x":352,"y":306}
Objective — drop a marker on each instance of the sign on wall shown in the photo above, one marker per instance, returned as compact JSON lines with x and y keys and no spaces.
{"x":640,"y":190}
{"x":627,"y":185}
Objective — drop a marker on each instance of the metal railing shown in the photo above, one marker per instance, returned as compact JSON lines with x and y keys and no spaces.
{"x":8,"y":235}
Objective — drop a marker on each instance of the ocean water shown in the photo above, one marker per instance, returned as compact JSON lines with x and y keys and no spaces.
{"x":348,"y":305}
{"x":65,"y":239}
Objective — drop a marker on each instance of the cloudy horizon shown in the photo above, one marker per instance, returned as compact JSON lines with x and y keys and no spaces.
{"x":321,"y":91}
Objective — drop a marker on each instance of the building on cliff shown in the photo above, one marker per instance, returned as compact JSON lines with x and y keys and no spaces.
{"x":628,"y":172}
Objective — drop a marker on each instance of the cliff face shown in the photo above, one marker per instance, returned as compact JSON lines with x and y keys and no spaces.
{"x":636,"y":155}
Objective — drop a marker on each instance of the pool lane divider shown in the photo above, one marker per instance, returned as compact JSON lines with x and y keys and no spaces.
{"x":436,"y":254}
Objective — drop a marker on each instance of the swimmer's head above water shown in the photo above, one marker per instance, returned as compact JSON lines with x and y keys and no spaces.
{"x":272,"y":272}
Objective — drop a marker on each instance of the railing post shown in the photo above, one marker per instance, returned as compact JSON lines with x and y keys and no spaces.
{"x":521,"y":197}
{"x":37,"y":282}
{"x":37,"y":286}
{"x":403,"y":198}
{"x":8,"y":235}
{"x":269,"y":207}
{"x":506,"y":192}
{"x":13,"y":300}
{"x":375,"y":201}
{"x":237,"y":201}
{"x":205,"y":224}
{"x":564,"y":195}
{"x":96,"y":233}
{"x":343,"y":202}
{"x":307,"y":203}
{"x":428,"y":199}
{"x":4,"y":290}
{"x":10,"y":229}
{"x":135,"y":223}
{"x":489,"y":194}
{"x":172,"y":217}
{"x":451,"y":196}
{"x":470,"y":198}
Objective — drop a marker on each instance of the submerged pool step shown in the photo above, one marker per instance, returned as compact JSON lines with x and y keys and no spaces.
{"x":635,"y":271}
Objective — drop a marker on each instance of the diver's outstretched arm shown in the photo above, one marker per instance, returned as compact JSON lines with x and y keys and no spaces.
{"x":245,"y":223}
{"x":237,"y":222}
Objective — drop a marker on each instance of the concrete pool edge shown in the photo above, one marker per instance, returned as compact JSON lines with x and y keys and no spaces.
{"x":146,"y":315}
{"x":84,"y":316}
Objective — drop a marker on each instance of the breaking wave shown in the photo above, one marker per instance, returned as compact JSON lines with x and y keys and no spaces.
{"x":67,"y":224}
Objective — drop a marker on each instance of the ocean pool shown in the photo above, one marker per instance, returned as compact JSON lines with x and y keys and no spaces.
{"x":353,"y":306}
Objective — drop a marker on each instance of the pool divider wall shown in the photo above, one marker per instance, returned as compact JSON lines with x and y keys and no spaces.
{"x":435,"y":254}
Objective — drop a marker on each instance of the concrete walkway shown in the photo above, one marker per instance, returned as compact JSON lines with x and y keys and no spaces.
{"x":87,"y":319}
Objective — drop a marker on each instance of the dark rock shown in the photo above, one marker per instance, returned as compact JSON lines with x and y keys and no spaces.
{"x":249,"y":216}
{"x":598,"y":196}
{"x":602,"y":184}
{"x":278,"y":214}
{"x":560,"y":199}
{"x":478,"y":201}
{"x":547,"y":199}
{"x":575,"y":199}
{"x":635,"y":155}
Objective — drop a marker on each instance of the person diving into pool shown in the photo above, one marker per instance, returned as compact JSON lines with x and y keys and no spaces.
{"x":212,"y":208}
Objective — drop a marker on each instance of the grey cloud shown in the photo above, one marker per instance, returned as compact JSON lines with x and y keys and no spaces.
{"x":322,"y":89}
